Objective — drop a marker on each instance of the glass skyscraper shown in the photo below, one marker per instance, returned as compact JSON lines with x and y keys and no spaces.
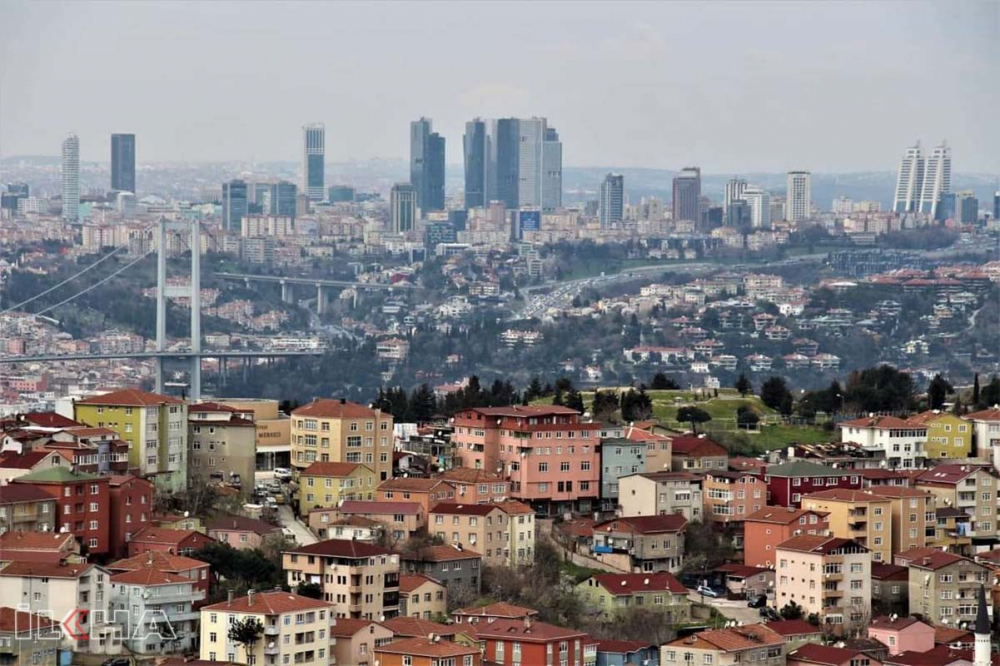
{"x":402,"y":208}
{"x":612,"y":200}
{"x":123,"y":162}
{"x":474,"y":145}
{"x":71,"y":178}
{"x":235,"y":204}
{"x":313,"y":160}
{"x":427,"y":165}
{"x":687,"y":195}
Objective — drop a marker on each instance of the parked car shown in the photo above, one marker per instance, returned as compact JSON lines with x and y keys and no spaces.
{"x":287,"y":532}
{"x":707,"y":591}
{"x":757,"y":601}
{"x":769,"y":613}
{"x":282,"y":474}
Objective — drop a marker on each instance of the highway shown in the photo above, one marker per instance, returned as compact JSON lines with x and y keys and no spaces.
{"x":165,"y":354}
{"x":310,"y":281}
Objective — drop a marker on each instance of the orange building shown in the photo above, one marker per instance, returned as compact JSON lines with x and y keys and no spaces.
{"x":765,"y":529}
{"x":427,"y":651}
{"x":425,"y":492}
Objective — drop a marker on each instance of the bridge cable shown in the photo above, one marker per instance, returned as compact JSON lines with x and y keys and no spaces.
{"x":96,"y":284}
{"x":67,"y":280}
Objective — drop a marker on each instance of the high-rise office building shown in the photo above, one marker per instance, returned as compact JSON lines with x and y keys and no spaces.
{"x":922,"y":179}
{"x":503,"y":162}
{"x":427,"y":165}
{"x":798,"y":200}
{"x":313,"y":160}
{"x":341,"y":194}
{"x":523,"y":158}
{"x":612,"y":200}
{"x":235,"y":205}
{"x":737,"y":214}
{"x":402,"y":208}
{"x":71,"y":178}
{"x":996,"y":206}
{"x":967,"y":207}
{"x":759,"y":202}
{"x":734,"y":190}
{"x":937,"y":178}
{"x":280,"y":198}
{"x":551,"y":170}
{"x":123,"y":162}
{"x":687,"y":195}
{"x":474,"y":148}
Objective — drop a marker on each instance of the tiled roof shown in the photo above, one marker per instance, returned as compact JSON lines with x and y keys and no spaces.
{"x":25,"y":460}
{"x":844,"y":495}
{"x":621,"y":584}
{"x":879,"y":423}
{"x":882,"y":571}
{"x":378,"y":507}
{"x":408,"y":583}
{"x":501,"y":609}
{"x":12,"y":620}
{"x":949,"y":635}
{"x":425,"y":647}
{"x":415,"y":626}
{"x":241,"y":524}
{"x":894,"y":622}
{"x":779,"y":515}
{"x":663,"y":475}
{"x":158,"y":559}
{"x":822,"y":654}
{"x":935,"y":560}
{"x":348,"y":626}
{"x":793,"y":628}
{"x":44,"y":569}
{"x":524,"y":410}
{"x":165,"y":535}
{"x":947,"y":474}
{"x":148,"y":576}
{"x":697,"y":446}
{"x":898,"y":491}
{"x":525,"y":632}
{"x":413,"y":484}
{"x":801,"y":468}
{"x":341,"y":548}
{"x":470,"y":475}
{"x":673,"y":522}
{"x":808,"y":543}
{"x":57,"y":475}
{"x":33,"y":541}
{"x":513,"y":507}
{"x":440,"y":554}
{"x":337,"y":469}
{"x":992,"y":414}
{"x":269,"y":603}
{"x":328,"y":408}
{"x":130,"y":398}
{"x":454,"y":509}
{"x":14,"y":493}
{"x":50,"y":420}
{"x":734,"y":639}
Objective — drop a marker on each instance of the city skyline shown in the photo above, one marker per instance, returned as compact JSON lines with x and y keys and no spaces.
{"x":690,"y":122}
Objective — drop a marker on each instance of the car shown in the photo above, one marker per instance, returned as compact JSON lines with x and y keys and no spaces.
{"x":273,"y":488}
{"x":116,"y":661}
{"x":706,"y":591}
{"x":288,"y":533}
{"x":769,"y":613}
{"x":279,"y":498}
{"x":757,"y":601}
{"x":282,"y":474}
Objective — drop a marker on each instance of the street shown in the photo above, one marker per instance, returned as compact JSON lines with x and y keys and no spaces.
{"x":734,"y":610}
{"x":302,"y":535}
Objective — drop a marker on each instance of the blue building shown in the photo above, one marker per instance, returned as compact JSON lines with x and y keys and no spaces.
{"x":619,"y":457}
{"x":627,"y":653}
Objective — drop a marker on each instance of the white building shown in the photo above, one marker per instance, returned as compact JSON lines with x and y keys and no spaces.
{"x":921,"y":180}
{"x":937,"y":179}
{"x":150,"y":597}
{"x":759,"y":202}
{"x":902,"y":442}
{"x":735,"y":189}
{"x":71,"y":178}
{"x":798,"y":200}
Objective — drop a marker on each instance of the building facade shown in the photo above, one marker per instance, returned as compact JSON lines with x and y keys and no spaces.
{"x":340,"y":431}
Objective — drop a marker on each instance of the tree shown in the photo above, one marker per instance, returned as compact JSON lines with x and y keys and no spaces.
{"x":534,"y":389}
{"x":743,"y":385}
{"x":975,"y":390}
{"x":938,"y":391}
{"x":746,"y":418}
{"x":775,"y":394}
{"x":636,"y":405}
{"x":311,"y":590}
{"x":990,"y":395}
{"x":574,"y":400}
{"x":663,"y":383}
{"x":694,"y":416}
{"x":791,"y":611}
{"x":604,"y":406}
{"x":246,"y":632}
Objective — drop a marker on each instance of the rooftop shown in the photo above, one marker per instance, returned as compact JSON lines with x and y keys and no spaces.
{"x":328,"y":408}
{"x":341,"y":548}
{"x":131,"y":398}
{"x":268,"y":603}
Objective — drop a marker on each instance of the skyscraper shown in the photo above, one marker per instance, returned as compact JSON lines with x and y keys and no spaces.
{"x":313,"y":160}
{"x":759,"y":202}
{"x":71,"y":178}
{"x":551,"y":170}
{"x":687,"y":194}
{"x":281,"y":197}
{"x":612,"y":200}
{"x":123,"y":162}
{"x":427,"y":165}
{"x":235,"y":204}
{"x":909,"y":180}
{"x":734,"y":190}
{"x":402,"y":207}
{"x":503,"y":162}
{"x":798,"y":200}
{"x":967,"y":207}
{"x":523,"y":158}
{"x":937,"y":178}
{"x":474,"y":149}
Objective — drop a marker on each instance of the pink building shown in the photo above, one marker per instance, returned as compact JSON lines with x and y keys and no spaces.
{"x":548,"y":455}
{"x":902,"y":634}
{"x":477,"y":486}
{"x":812,"y":654}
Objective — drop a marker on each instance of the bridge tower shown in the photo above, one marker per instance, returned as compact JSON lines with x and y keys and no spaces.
{"x":192,"y":291}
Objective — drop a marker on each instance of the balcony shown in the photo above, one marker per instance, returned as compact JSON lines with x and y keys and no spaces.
{"x":272,"y":649}
{"x":272,"y":630}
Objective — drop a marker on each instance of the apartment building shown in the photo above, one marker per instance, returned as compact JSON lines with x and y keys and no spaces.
{"x":400,"y":519}
{"x":660,"y":592}
{"x":297,"y":629}
{"x":618,"y":458}
{"x":23,"y":638}
{"x":328,"y":430}
{"x":641,"y":544}
{"x":427,"y":651}
{"x":732,"y":496}
{"x":752,"y":643}
{"x":26,"y":508}
{"x":914,"y":516}
{"x":986,"y":434}
{"x":476,"y":486}
{"x":131,"y":501}
{"x":948,"y":436}
{"x":658,"y":448}
{"x":969,"y":488}
{"x":196,"y":571}
{"x":456,"y":568}
{"x":944,"y":587}
{"x":39,"y":547}
{"x":426,"y":492}
{"x":357,"y":641}
{"x":223,"y":445}
{"x":525,"y":641}
{"x":789,"y":482}
{"x":520,"y":530}
{"x":901,"y":442}
{"x":856,"y":514}
{"x":550,"y":457}
{"x":323,"y":485}
{"x":660,"y":493}
{"x":166,"y":540}
{"x":422,"y":596}
{"x":829,"y":576}
{"x":765,"y":529}
{"x":241,"y":532}
{"x":361,"y":580}
{"x":483,"y":528}
{"x":697,"y":453}
{"x":154,"y":426}
{"x":153,"y":598}
{"x":83,"y":505}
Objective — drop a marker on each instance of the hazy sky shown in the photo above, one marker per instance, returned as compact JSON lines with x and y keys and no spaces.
{"x":730,"y":86}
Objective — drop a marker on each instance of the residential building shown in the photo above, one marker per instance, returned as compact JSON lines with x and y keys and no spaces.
{"x":914,"y":519}
{"x":902,"y":442}
{"x":943,"y":586}
{"x":730,"y":497}
{"x":313,"y":160}
{"x":796,"y":632}
{"x":166,"y":540}
{"x":357,"y":641}
{"x":223,"y":445}
{"x":549,"y":455}
{"x":789,"y":482}
{"x":149,"y":597}
{"x":400,"y":519}
{"x":154,"y":427}
{"x":425,"y":492}
{"x":402,"y":208}
{"x":491,"y":612}
{"x":619,"y":457}
{"x":510,"y":642}
{"x":641,"y":544}
{"x":297,"y":629}
{"x":829,"y":576}
{"x":361,"y":580}
{"x":71,"y":178}
{"x":627,"y":653}
{"x":479,"y":527}
{"x":476,"y":486}
{"x":948,"y":436}
{"x":324,"y":485}
{"x":661,"y":592}
{"x":765,"y":529}
{"x":890,"y":589}
{"x":953,"y":531}
{"x":686,"y":200}
{"x":856,"y":514}
{"x":968,"y":488}
{"x":196,"y":571}
{"x":902,"y":634}
{"x":24,"y":640}
{"x":986,"y":434}
{"x":660,"y":493}
{"x":131,"y":502}
{"x":798,"y":199}
{"x":422,"y":596}
{"x":123,"y":162}
{"x":358,"y":528}
{"x":727,"y":647}
{"x":241,"y":532}
{"x":66,"y":590}
{"x":697,"y":454}
{"x":82,"y":505}
{"x":427,"y":651}
{"x":455,"y":568}
{"x":341,"y":431}
{"x":26,"y":508}
{"x":612,"y":202}
{"x":812,"y":654}
{"x":520,"y":531}
{"x":52,"y":547}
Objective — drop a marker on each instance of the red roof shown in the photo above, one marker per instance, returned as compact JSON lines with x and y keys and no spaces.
{"x":12,"y":620}
{"x":378,"y":507}
{"x":131,"y":397}
{"x":14,"y":493}
{"x":948,"y":474}
{"x":415,"y":626}
{"x":822,"y":654}
{"x":793,"y":628}
{"x":328,"y":408}
{"x":44,"y":569}
{"x":530,"y":632}
{"x":501,"y":609}
{"x":408,"y":583}
{"x":414,"y":485}
{"x":33,"y":541}
{"x":337,"y":469}
{"x":882,"y":423}
{"x":148,"y":576}
{"x":158,"y":559}
{"x":269,"y":603}
{"x":440,"y":554}
{"x":621,"y":584}
{"x":780,"y":515}
{"x":809,"y":543}
{"x":844,"y":495}
{"x":697,"y":446}
{"x":341,"y":548}
{"x":992,"y":414}
{"x":894,"y":622}
{"x":50,"y":420}
{"x":453,"y":509}
{"x":26,"y":460}
{"x":673,"y":522}
{"x":348,"y":626}
{"x":167,"y":536}
{"x":425,"y":647}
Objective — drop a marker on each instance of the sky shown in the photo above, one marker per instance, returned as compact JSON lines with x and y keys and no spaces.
{"x":729,"y":86}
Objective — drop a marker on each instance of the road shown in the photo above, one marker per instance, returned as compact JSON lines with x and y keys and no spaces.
{"x":302,"y":534}
{"x":734,"y":610}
